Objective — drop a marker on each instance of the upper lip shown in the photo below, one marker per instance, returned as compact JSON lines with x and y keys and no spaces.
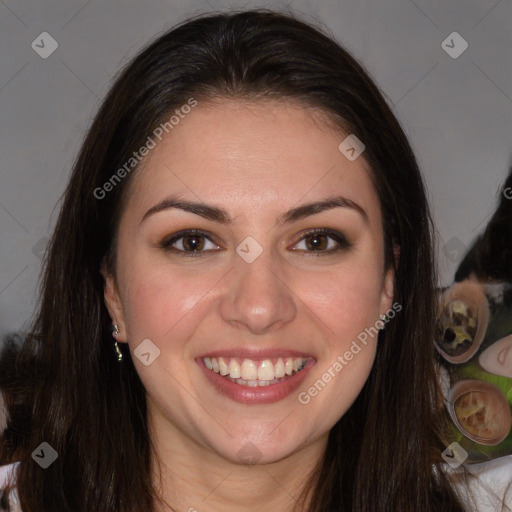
{"x":254,"y":354}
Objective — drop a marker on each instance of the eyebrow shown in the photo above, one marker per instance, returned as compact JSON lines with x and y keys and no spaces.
{"x":217,"y":214}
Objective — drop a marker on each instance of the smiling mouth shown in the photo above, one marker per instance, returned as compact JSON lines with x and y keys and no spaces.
{"x":255,"y":373}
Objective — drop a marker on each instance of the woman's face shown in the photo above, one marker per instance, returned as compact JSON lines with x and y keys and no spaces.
{"x":285,"y":268}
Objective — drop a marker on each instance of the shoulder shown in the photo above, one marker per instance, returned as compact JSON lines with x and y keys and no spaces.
{"x":8,"y":478}
{"x":488,"y":487}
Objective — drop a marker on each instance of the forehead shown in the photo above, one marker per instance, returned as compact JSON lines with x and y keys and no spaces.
{"x":253,"y":157}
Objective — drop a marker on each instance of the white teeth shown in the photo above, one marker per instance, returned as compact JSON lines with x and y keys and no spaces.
{"x":223,"y":367}
{"x":266,"y":370}
{"x":279,"y":369}
{"x":255,"y":383}
{"x":249,"y":370}
{"x":234,"y":369}
{"x":255,"y":373}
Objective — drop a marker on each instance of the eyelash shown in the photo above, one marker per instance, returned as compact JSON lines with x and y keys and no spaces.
{"x":340,"y":239}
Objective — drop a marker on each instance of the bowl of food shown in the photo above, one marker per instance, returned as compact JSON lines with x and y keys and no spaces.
{"x":463,"y":320}
{"x":480,"y":411}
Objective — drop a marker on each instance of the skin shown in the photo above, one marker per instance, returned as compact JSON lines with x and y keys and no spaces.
{"x":497,"y":358}
{"x":256,"y":161}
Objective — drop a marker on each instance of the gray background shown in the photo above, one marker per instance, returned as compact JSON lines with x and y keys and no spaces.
{"x":456,"y":111}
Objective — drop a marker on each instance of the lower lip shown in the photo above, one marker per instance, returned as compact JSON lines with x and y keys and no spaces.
{"x":256,"y":395}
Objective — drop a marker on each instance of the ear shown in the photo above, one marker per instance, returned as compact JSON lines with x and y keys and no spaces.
{"x":388,"y":286}
{"x":388,"y":291}
{"x":113,"y":303}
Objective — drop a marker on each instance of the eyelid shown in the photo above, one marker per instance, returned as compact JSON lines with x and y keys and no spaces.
{"x":335,"y":235}
{"x":339,"y":238}
{"x":167,"y":243}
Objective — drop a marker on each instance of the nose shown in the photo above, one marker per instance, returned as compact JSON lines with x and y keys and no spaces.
{"x":257,"y":297}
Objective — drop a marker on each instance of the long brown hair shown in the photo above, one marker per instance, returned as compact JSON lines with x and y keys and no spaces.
{"x":490,"y":255}
{"x":67,"y":388}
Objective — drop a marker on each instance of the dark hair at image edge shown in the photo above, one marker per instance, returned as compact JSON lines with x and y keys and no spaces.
{"x":66,"y":386}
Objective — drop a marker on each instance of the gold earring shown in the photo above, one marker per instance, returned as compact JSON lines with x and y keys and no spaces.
{"x":115,"y":332}
{"x":118,"y":352}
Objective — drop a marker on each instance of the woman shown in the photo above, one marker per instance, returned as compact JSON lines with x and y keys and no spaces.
{"x":238,"y":302}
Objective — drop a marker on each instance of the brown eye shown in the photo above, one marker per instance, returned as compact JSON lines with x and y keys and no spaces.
{"x":189,"y":243}
{"x":193,"y":242}
{"x":316,"y":242}
{"x":322,"y":242}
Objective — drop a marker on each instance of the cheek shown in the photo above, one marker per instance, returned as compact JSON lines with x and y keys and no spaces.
{"x":348,"y":306}
{"x":347,"y":300}
{"x":157,"y":300}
